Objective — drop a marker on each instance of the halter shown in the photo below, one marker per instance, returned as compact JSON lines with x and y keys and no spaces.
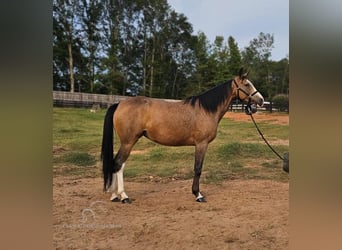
{"x":243,"y":91}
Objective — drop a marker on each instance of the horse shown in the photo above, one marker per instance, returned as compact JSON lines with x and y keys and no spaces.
{"x":189,"y":122}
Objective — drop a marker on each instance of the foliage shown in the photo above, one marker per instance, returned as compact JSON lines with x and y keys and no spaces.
{"x":281,"y":101}
{"x":270,"y":77}
{"x":137,"y":47}
{"x":234,"y":56}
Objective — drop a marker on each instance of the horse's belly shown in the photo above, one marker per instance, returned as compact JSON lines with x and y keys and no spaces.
{"x":170,"y":137}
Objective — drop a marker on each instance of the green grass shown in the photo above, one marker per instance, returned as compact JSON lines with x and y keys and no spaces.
{"x":238,"y":152}
{"x":77,"y":129}
{"x":76,"y":158}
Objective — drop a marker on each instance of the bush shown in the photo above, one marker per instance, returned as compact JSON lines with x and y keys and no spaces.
{"x":281,"y":102}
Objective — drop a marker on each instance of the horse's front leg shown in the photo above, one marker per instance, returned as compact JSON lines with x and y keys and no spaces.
{"x":200,"y":151}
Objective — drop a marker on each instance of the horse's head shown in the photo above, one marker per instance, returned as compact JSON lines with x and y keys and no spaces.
{"x":245,"y":90}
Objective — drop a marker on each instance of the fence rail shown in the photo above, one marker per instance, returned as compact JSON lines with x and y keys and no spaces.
{"x":68,"y":99}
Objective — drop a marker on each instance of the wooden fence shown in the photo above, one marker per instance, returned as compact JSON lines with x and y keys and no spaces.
{"x":85,"y":100}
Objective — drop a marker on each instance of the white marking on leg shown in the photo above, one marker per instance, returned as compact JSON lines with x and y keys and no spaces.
{"x":114,"y":196}
{"x":120,"y":183}
{"x":114,"y":187}
{"x":199,"y":196}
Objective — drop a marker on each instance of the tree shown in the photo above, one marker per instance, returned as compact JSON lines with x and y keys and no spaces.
{"x":163,"y":47}
{"x":69,"y":62}
{"x":91,"y":26}
{"x":64,"y":17}
{"x":234,"y":61}
{"x":60,"y":53}
{"x":220,"y":60}
{"x":202,"y":73}
{"x":110,"y":74}
{"x":143,"y":47}
{"x":256,"y":58}
{"x":176,"y":54}
{"x":279,"y":76}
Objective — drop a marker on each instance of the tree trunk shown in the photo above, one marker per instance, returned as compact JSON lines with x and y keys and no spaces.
{"x":174,"y":84}
{"x":91,"y":68}
{"x":152,"y":68}
{"x":71,"y":69}
{"x":144,"y":66}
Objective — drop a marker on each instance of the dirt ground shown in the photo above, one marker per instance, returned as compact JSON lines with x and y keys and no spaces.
{"x":273,"y":118}
{"x":238,"y":214}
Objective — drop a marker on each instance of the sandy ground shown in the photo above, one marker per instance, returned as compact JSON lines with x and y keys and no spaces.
{"x":238,"y":214}
{"x":273,"y":118}
{"x":249,"y":214}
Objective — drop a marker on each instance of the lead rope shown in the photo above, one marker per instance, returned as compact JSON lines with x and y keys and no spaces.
{"x":262,"y":136}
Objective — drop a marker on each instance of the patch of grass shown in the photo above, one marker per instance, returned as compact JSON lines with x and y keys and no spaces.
{"x":216,"y":176}
{"x":236,"y":167}
{"x":271,"y":164}
{"x":161,"y":161}
{"x":131,"y":172}
{"x":237,"y":150}
{"x":77,"y":129}
{"x":166,"y":171}
{"x":246,"y":131}
{"x":234,"y":170}
{"x":157,"y":154}
{"x":70,"y":130}
{"x":77,"y":158}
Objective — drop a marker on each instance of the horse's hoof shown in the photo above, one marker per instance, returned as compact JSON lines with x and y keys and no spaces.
{"x":201,"y":199}
{"x":126,"y":201}
{"x":116,"y":199}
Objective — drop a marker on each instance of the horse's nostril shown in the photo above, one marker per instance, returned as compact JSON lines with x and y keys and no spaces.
{"x":261,"y":102}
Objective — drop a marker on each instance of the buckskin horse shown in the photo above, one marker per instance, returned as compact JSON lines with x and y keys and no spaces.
{"x":191,"y":122}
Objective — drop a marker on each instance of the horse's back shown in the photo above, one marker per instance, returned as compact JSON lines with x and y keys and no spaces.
{"x":140,"y":105}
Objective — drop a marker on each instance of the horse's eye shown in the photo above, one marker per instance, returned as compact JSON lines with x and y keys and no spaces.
{"x":247,"y":84}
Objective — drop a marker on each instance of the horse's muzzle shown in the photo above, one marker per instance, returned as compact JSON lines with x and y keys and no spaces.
{"x":260,"y":102}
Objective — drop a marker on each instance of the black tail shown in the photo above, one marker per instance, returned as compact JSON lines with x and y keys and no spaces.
{"x":107,"y":154}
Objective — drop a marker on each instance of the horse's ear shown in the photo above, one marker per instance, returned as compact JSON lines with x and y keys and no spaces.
{"x":246,"y":74}
{"x":241,"y":72}
{"x":243,"y":75}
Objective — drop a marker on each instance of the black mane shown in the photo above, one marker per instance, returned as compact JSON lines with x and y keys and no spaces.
{"x":212,"y":98}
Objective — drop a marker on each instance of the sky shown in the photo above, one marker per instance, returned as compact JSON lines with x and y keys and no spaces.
{"x":241,"y":19}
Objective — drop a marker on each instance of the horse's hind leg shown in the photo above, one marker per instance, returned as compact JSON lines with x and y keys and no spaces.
{"x":118,"y":191}
{"x":114,"y":189}
{"x":120,"y":183}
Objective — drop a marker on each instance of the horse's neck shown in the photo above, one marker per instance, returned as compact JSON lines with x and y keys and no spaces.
{"x":223,"y":108}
